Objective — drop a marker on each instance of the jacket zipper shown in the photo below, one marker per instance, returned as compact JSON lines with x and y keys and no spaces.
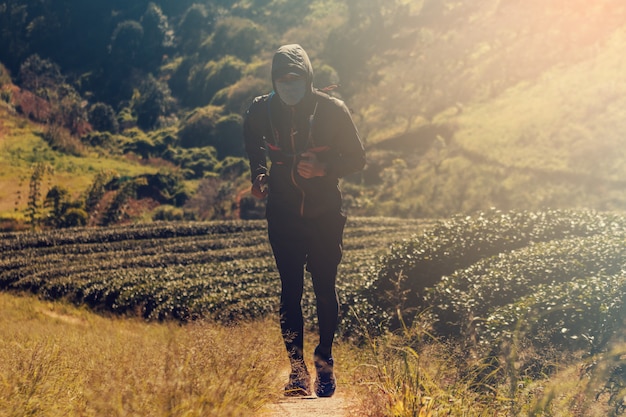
{"x":294,"y":166}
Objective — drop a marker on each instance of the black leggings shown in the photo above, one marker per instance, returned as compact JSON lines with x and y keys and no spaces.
{"x":316,"y":243}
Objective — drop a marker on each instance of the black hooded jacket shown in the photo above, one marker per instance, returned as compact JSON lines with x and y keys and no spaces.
{"x":318,"y":123}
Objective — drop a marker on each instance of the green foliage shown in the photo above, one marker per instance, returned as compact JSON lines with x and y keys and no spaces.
{"x":520,"y":280}
{"x":96,"y":190}
{"x":116,"y":210}
{"x":532,"y":286}
{"x":41,"y":76}
{"x":126,"y":43}
{"x":195,"y":163}
{"x":181,"y":270}
{"x":103,"y":118}
{"x":467,"y":94}
{"x":63,"y":211}
{"x":60,"y":139}
{"x":206,"y":79}
{"x":208,"y":126}
{"x":554,"y":277}
{"x":236,"y":36}
{"x":193,"y":27}
{"x":157,"y":37}
{"x":236,"y":98}
{"x":227,"y":136}
{"x":153,"y":102}
{"x":37,"y":183}
{"x":168,"y":213}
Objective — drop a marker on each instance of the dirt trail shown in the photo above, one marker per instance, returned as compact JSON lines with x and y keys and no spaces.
{"x":339,"y":405}
{"x":336,"y":406}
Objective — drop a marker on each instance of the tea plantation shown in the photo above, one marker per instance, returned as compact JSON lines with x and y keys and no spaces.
{"x":553,"y":277}
{"x":183,"y":271}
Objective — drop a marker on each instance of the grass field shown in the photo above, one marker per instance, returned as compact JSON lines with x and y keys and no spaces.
{"x":21,"y":146}
{"x":58,"y":360}
{"x":187,"y":296}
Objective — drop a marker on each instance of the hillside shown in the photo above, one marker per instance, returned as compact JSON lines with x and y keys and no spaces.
{"x":462,"y":105}
{"x":516,"y":105}
{"x":22,"y":146}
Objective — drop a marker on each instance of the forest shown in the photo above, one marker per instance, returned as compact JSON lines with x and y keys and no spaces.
{"x":118,"y":111}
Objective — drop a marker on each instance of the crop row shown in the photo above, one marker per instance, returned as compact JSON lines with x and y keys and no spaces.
{"x":481,"y":276}
{"x":469,"y":300}
{"x":414,"y":265}
{"x":179,"y":270}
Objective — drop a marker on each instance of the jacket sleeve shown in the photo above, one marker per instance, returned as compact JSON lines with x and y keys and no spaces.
{"x":350,"y":154}
{"x":253,"y":135}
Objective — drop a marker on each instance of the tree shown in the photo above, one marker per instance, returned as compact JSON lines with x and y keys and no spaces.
{"x":157,"y":37}
{"x":102,"y":118}
{"x":196,"y":130}
{"x":194,"y":26}
{"x":206,"y":80}
{"x":13,"y":42}
{"x":64,"y":212}
{"x":126,"y":42}
{"x":227,"y":136}
{"x":236,"y":36}
{"x":154,"y":100}
{"x":41,"y":76}
{"x":35,"y":193}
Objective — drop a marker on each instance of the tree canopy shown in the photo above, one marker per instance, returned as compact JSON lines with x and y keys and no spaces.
{"x":462,"y":105}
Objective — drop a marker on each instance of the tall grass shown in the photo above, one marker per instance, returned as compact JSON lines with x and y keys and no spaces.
{"x":412,"y":374}
{"x":60,"y":361}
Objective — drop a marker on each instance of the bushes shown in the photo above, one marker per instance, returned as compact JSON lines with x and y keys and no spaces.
{"x":533,"y":285}
{"x":181,"y":270}
{"x":208,"y":126}
{"x":103,"y":118}
{"x":462,"y":241}
{"x":195,"y":130}
{"x":552,"y":276}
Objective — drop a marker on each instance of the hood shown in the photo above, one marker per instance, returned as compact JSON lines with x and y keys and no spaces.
{"x":292,"y":58}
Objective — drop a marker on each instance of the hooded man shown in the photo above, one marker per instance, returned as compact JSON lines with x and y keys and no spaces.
{"x":311,"y":142}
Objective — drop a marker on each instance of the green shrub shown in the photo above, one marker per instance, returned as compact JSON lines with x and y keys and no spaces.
{"x":103,"y":118}
{"x":168,"y":213}
{"x":465,"y":302}
{"x":196,"y":129}
{"x":413,"y":266}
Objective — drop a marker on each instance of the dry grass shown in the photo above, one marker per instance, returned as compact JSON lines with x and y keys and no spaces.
{"x":60,"y":361}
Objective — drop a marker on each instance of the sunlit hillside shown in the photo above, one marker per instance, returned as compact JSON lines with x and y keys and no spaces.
{"x":21,"y":147}
{"x":506,"y":104}
{"x":462,"y":105}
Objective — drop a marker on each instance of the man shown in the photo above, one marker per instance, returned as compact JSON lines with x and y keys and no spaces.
{"x":311,"y":141}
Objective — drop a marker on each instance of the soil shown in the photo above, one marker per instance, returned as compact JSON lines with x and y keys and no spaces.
{"x":335,"y":406}
{"x":339,"y":405}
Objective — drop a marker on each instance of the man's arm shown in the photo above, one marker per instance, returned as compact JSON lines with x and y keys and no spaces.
{"x":253,"y":132}
{"x":255,"y":148}
{"x":350,"y":155}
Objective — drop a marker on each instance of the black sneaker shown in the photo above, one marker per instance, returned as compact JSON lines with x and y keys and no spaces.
{"x":325,"y":383}
{"x":299,"y":384}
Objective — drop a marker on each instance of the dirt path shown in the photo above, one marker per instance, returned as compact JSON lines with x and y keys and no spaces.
{"x":339,"y":405}
{"x":336,"y":406}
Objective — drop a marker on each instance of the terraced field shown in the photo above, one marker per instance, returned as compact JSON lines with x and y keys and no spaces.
{"x":183,"y":271}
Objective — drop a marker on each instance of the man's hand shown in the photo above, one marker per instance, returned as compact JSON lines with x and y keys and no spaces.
{"x":310,"y":167}
{"x":260,"y":187}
